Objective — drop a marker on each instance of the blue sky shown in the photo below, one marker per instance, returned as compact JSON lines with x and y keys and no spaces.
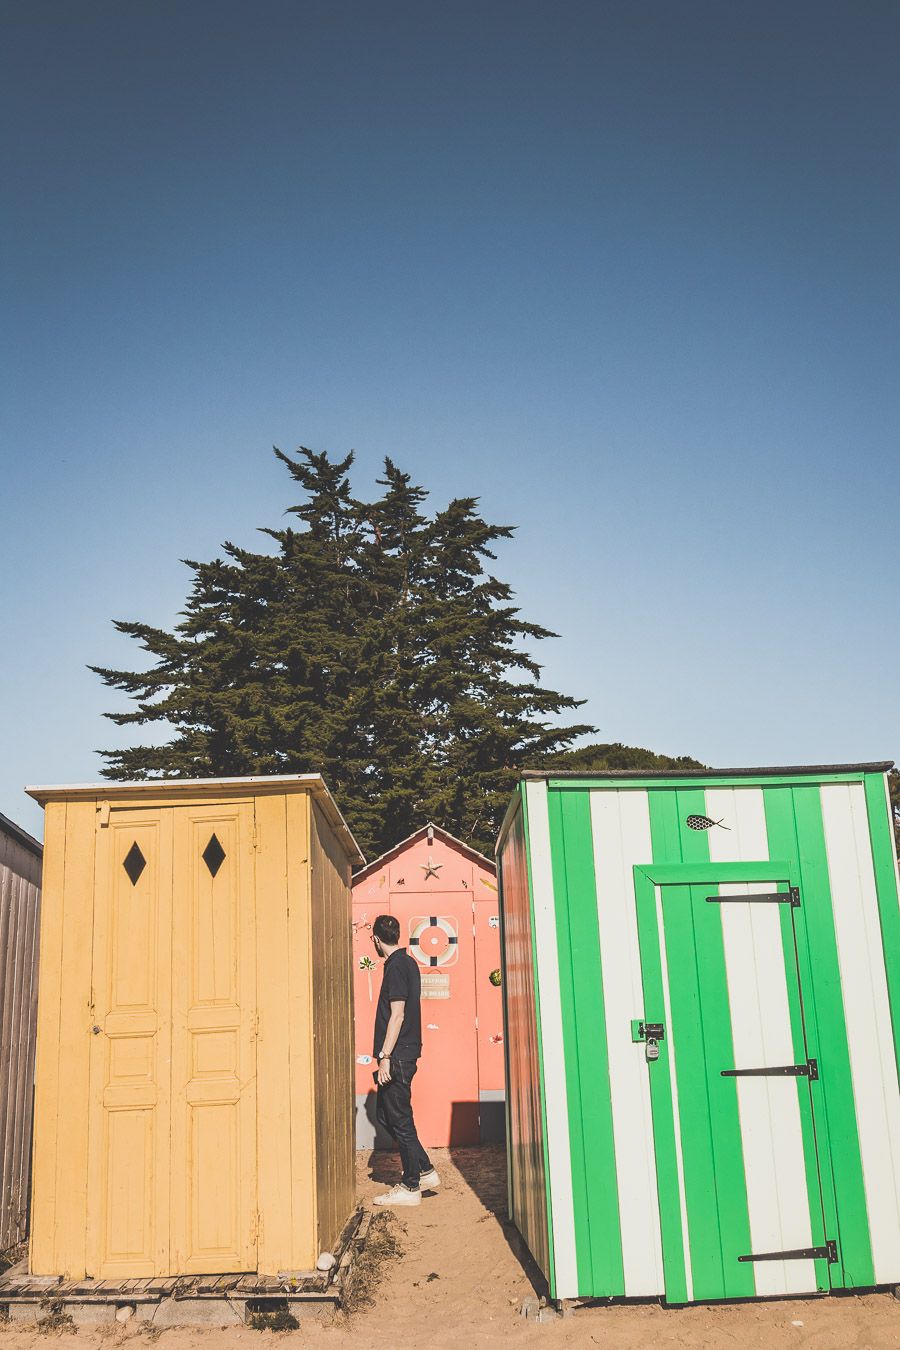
{"x":626,"y":271}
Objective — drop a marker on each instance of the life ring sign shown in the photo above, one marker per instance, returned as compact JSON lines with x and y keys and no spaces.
{"x":433,"y":939}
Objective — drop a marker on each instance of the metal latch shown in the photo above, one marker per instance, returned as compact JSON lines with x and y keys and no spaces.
{"x":646,"y":1031}
{"x":651,"y":1033}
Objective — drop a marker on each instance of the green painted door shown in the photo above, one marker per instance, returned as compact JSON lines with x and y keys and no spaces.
{"x":739,"y":1190}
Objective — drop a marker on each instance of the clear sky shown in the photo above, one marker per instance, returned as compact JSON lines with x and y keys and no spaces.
{"x":628,"y":271}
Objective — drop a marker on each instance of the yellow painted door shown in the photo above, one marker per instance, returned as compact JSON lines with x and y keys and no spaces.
{"x":213,"y":1146}
{"x":130,"y":1038}
{"x":172,"y":1138}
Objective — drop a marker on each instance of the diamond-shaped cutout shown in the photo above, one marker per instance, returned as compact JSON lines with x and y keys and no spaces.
{"x":214,"y":855}
{"x":134,"y":863}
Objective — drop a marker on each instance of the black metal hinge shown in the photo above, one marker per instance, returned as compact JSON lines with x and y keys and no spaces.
{"x":808,"y":1070}
{"x":791,"y":897}
{"x":826,"y":1253}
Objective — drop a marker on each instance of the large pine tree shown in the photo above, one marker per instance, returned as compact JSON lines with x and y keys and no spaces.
{"x":373,"y":645}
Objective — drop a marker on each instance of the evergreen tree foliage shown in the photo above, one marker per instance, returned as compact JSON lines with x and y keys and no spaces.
{"x":593,"y":758}
{"x":372,"y":645}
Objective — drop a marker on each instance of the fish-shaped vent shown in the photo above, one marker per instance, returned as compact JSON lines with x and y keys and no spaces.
{"x":703,"y":823}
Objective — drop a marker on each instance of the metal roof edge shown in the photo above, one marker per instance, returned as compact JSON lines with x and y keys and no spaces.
{"x":515,"y":804}
{"x":111,"y":790}
{"x":423,"y":829}
{"x":783,"y":771}
{"x":21,"y":836}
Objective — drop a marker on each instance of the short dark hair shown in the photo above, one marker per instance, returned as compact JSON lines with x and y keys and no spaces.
{"x":387,"y":929}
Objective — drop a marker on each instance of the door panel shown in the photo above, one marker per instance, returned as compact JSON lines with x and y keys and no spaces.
{"x":213,"y":1049}
{"x":721,"y":973}
{"x":771,"y":1108}
{"x":440,"y":936}
{"x":128,"y":1155}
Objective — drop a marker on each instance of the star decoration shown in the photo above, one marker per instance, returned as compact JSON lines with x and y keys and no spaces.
{"x":431,"y":869}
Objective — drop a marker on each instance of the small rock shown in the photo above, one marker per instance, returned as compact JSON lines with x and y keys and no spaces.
{"x":124,"y":1312}
{"x":325,"y":1261}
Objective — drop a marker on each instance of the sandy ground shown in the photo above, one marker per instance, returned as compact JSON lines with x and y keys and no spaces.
{"x":460,"y":1284}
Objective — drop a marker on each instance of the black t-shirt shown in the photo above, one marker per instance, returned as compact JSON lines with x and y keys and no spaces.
{"x":400,"y":979}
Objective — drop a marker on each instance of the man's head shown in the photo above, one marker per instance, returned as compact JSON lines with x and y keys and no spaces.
{"x":385,"y":933}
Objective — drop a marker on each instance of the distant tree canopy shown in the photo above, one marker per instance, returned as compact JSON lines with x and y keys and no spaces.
{"x":372,"y":645}
{"x":592,"y":758}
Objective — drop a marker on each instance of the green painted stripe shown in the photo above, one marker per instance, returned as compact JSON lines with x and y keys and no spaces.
{"x":700,"y":784}
{"x":715,"y":1051}
{"x":805,"y":1044}
{"x":594,"y":1190}
{"x":881,"y":833}
{"x":795,"y":831}
{"x":684,"y":874}
{"x":715,"y":1185}
{"x":551,"y":1273}
{"x":661,"y":1095}
{"x":674,"y":843}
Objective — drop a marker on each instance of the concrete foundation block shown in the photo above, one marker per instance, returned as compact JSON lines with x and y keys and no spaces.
{"x":25,"y":1312}
{"x":90,"y":1314}
{"x":199,"y":1312}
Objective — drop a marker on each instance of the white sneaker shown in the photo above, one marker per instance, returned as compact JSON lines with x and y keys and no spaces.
{"x":398,"y":1195}
{"x":429,"y":1181}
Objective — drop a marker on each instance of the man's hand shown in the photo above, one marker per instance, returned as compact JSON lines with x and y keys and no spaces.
{"x":384,"y":1069}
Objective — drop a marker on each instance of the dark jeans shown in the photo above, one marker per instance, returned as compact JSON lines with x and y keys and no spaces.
{"x":394,"y":1112}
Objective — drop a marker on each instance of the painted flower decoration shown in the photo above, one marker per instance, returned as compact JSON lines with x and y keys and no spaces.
{"x":366,"y":963}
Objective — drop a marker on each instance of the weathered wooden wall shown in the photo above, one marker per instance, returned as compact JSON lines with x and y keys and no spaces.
{"x":332,"y":1028}
{"x":20,"y":899}
{"x":526,"y":1169}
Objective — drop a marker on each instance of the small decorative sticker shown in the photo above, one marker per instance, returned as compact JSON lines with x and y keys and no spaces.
{"x":432,"y":1026}
{"x":368,"y":965}
{"x":494,"y":921}
{"x":497,"y":1038}
{"x":495,"y":977}
{"x":364,"y":1059}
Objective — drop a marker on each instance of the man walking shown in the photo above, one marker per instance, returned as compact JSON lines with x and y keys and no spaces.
{"x":398,"y":1045}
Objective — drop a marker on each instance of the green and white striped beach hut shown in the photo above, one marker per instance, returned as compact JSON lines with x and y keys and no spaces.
{"x":702,"y":1000}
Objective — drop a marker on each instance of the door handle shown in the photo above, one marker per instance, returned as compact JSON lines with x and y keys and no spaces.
{"x":95,"y":1030}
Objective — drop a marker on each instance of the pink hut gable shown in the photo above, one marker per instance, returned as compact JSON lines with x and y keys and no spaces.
{"x":445,"y":896}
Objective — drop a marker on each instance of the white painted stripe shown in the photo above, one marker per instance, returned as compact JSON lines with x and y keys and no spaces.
{"x":769,"y":1109}
{"x":620,"y":823}
{"x":679,"y":1158}
{"x":559,"y":1162}
{"x":867,"y":1014}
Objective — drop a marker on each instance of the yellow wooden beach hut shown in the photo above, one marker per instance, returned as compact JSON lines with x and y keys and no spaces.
{"x":194,"y":1084}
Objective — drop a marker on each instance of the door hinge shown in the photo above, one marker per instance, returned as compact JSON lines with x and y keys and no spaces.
{"x":255,"y":1034}
{"x":808,"y":1070}
{"x":791,"y":897}
{"x":254,"y":836}
{"x":103,"y":814}
{"x":827,"y":1253}
{"x":255,"y":1227}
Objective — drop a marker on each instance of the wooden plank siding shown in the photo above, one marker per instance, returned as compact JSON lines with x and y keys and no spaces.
{"x":332,"y":1027}
{"x":20,"y":901}
{"x":232,"y":1150}
{"x":526,"y":1162}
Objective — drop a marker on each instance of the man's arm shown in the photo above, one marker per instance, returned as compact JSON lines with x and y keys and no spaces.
{"x":395,"y":1022}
